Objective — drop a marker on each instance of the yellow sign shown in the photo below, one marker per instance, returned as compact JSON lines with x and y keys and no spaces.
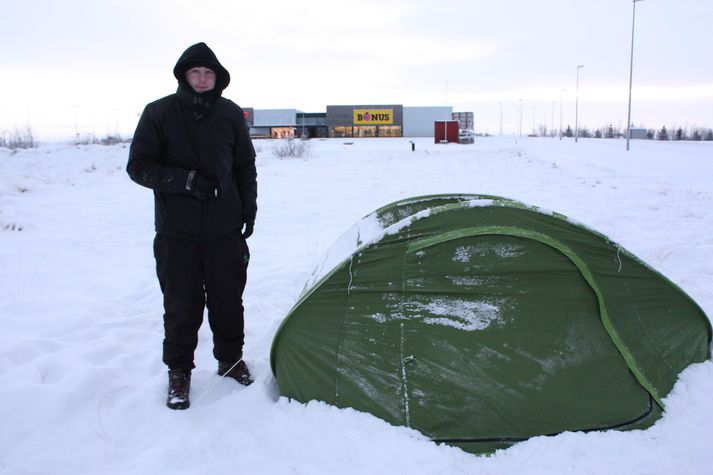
{"x":373,"y":116}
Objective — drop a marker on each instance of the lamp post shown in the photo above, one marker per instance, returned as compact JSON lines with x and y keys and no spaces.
{"x":631,"y":76}
{"x":445,"y":123}
{"x":519,"y":127}
{"x":76,"y":124}
{"x":561,"y":98}
{"x":576,"y":108}
{"x":501,"y":117}
{"x":552,"y":120}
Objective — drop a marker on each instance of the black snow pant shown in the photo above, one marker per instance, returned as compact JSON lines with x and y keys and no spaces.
{"x":193,"y":274}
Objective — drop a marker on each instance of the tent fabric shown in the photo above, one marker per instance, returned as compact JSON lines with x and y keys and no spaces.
{"x":481,"y":321}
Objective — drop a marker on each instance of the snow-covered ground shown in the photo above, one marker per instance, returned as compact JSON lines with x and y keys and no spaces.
{"x":82,"y":386}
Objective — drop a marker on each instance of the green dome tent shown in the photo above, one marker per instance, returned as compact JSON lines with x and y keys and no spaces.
{"x":481,"y":322}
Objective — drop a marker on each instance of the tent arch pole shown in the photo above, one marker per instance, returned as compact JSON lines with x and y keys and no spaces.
{"x":578,"y":263}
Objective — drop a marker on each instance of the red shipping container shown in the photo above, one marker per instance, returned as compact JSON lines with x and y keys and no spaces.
{"x":446,"y":130}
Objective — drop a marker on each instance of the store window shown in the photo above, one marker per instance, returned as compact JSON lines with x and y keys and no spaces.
{"x":282,"y":132}
{"x":365,"y":131}
{"x":340,"y":131}
{"x":390,"y":131}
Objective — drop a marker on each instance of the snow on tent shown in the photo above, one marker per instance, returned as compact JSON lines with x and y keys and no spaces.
{"x":481,"y":322}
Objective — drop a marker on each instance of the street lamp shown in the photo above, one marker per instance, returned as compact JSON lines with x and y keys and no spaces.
{"x":519,"y":127}
{"x":445,"y":107}
{"x":561,"y":97}
{"x":631,"y":76}
{"x":576,"y":108}
{"x":76,"y":124}
{"x":501,"y":117}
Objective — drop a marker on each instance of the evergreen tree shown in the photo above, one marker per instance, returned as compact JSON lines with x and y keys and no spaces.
{"x":696,"y":135}
{"x":709,"y":135}
{"x":679,"y":134}
{"x":663,"y":134}
{"x":610,"y":132}
{"x":568,"y":132}
{"x":598,"y":134}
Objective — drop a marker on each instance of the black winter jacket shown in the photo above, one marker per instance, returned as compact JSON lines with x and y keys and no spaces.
{"x":204,"y":132}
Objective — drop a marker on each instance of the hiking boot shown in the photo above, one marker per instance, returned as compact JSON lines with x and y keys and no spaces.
{"x":179,"y":385}
{"x":238,"y":371}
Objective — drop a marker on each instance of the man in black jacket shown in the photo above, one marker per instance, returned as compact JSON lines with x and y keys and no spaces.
{"x":193,"y":150}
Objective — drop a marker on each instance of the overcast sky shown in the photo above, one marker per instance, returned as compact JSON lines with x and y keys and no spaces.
{"x":94,"y":64}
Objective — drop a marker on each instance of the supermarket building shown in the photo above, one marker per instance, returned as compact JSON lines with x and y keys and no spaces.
{"x":366,"y":120}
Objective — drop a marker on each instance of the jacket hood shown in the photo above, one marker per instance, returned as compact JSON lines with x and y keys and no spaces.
{"x":200,"y":54}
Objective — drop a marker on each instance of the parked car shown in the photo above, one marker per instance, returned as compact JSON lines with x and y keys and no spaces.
{"x":466,"y":133}
{"x":466,"y":136}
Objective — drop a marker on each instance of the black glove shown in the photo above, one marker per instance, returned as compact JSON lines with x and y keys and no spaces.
{"x":249,"y":225}
{"x":201,"y":187}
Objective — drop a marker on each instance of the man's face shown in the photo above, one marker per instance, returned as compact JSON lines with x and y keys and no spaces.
{"x":201,"y":79}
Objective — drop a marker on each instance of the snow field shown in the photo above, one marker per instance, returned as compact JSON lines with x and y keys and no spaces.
{"x":82,"y":386}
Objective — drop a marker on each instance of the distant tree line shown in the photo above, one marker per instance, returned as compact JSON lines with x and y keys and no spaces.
{"x":695,"y":134}
{"x":24,"y":137}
